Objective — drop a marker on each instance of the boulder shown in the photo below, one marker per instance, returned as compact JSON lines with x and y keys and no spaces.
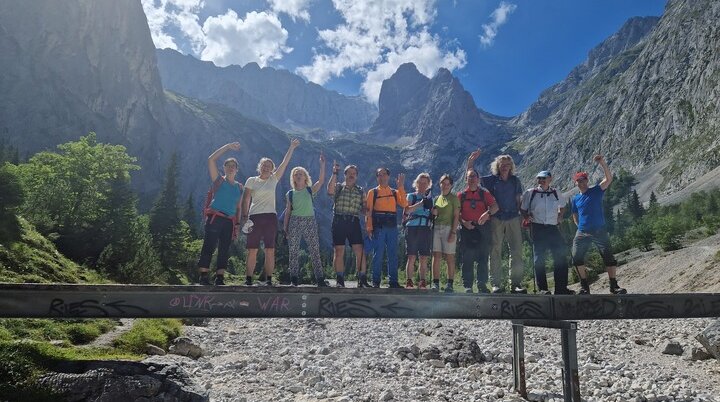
{"x":185,"y":347}
{"x":673,"y":348}
{"x":710,"y":339}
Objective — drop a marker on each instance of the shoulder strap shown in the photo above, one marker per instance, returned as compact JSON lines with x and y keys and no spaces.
{"x":375,"y":196}
{"x":555,"y":194}
{"x":338,"y":188}
{"x":290,"y":196}
{"x":309,"y":190}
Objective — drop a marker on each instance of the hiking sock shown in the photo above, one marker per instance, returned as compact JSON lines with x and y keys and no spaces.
{"x":248,"y":280}
{"x":204,"y":275}
{"x":219,"y":279}
{"x":436,"y":282}
{"x":584,"y":284}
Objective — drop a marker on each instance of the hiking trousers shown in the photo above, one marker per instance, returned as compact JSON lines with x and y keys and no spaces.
{"x":511,"y":231}
{"x":304,"y":227}
{"x":385,"y":238}
{"x":547,"y":238}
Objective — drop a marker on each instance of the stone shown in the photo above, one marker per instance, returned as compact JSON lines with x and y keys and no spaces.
{"x":673,"y":348}
{"x":154,"y":350}
{"x":184,"y":346}
{"x":699,"y":354}
{"x":710,"y":339}
{"x":386,"y":396}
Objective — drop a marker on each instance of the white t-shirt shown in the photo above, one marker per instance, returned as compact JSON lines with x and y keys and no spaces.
{"x":544,"y":208}
{"x":263,"y":194}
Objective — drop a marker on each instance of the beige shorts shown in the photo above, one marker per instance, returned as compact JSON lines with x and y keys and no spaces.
{"x":440,"y":243}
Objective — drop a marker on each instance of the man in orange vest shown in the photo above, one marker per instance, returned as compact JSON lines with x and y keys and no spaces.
{"x":381,"y":224}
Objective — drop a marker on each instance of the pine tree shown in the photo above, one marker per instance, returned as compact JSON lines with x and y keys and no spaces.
{"x":634,"y":206}
{"x":653,"y":205}
{"x":165,"y":219}
{"x":190,"y":216}
{"x":12,"y":197}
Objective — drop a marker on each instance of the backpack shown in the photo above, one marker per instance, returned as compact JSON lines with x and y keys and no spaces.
{"x":463,"y":197}
{"x":384,"y":218}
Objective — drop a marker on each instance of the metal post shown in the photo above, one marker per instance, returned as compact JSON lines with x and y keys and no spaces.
{"x":571,"y":378}
{"x":519,"y":359}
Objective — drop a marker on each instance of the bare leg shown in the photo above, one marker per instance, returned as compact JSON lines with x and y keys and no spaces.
{"x":423,"y":267}
{"x":269,"y":262}
{"x":410,"y":267}
{"x":437,"y":257}
{"x":338,"y":258}
{"x":251,"y":261}
{"x":358,"y":251}
{"x":450,"y":259}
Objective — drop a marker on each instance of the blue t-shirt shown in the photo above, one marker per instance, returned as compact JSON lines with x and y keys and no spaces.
{"x":505,"y":193}
{"x":419,"y":217}
{"x":226,"y":198}
{"x":589,"y":209}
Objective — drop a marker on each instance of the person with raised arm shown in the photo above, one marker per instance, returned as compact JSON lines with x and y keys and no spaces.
{"x":381,"y":224}
{"x":476,"y":206}
{"x":348,"y":206}
{"x":543,"y":207}
{"x":446,"y":212}
{"x":221,"y":214}
{"x":587,"y":213}
{"x":506,"y":224}
{"x":258,"y":208}
{"x":418,"y":229}
{"x":300,"y":221}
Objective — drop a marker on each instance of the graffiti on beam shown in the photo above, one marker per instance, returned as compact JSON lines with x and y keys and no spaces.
{"x":358,"y":307}
{"x":526,"y":309}
{"x":589,"y":308}
{"x":93,"y":308}
{"x":206,"y":303}
{"x":274,"y":304}
{"x":699,"y":307}
{"x":649,"y":309}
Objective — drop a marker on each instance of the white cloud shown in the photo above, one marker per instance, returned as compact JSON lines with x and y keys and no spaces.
{"x":293,"y":8}
{"x":223,"y":39}
{"x":375,"y":38}
{"x":499,"y":17}
{"x":229,"y":39}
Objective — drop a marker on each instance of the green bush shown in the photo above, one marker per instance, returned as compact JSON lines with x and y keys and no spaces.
{"x":667,"y":231}
{"x":641,"y":236}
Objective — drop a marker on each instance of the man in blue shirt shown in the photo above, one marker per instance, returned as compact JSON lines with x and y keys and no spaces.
{"x":588,"y":215}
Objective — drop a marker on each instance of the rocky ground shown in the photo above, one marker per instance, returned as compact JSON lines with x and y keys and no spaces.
{"x":442,"y":360}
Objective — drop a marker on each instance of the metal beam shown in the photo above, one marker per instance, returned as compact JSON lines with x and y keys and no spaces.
{"x":87,"y":301}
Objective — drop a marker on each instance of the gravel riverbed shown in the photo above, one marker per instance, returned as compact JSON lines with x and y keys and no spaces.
{"x":442,"y":360}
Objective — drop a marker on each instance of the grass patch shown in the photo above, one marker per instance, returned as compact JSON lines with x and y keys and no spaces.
{"x":73,"y":332}
{"x":158,"y":332}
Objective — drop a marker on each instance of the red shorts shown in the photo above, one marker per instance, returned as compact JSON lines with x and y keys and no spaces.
{"x":264,"y":228}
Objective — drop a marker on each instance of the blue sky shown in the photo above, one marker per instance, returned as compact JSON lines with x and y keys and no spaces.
{"x":504,"y":52}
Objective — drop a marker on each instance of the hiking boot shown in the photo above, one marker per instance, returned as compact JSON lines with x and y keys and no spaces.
{"x":517,"y":289}
{"x":204,"y":281}
{"x":340,"y":283}
{"x":468,"y":290}
{"x":497,"y":290}
{"x":545,"y":292}
{"x":435,"y":287}
{"x":394,"y":285}
{"x":268,"y":283}
{"x":564,"y":291}
{"x":482,"y":288}
{"x":363,"y":283}
{"x":449,"y":288}
{"x":409,"y":284}
{"x":618,"y":291}
{"x":294,"y":280}
{"x":322,"y":283}
{"x":584,"y":291}
{"x":248,"y":281}
{"x":422,"y":285}
{"x":219,"y":280}
{"x":376,"y":285}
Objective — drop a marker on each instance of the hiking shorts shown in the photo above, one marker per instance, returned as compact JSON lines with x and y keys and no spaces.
{"x":440,"y":243}
{"x":419,"y":240}
{"x":583,"y":241}
{"x":264,"y":229}
{"x":346,"y":227}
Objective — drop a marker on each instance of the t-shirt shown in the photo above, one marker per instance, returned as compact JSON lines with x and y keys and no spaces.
{"x":446,"y":205}
{"x":467,"y":212}
{"x":385,"y":202}
{"x":420,"y":216}
{"x":263,"y":194}
{"x":505,"y":193}
{"x":588,"y":207}
{"x":545,"y":207}
{"x":226,"y":198}
{"x":302,"y":203}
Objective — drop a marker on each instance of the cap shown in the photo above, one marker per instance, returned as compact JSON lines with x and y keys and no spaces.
{"x":544,"y":173}
{"x":581,"y":175}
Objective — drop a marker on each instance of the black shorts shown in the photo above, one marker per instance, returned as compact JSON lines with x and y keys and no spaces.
{"x":346,"y":227}
{"x":583,"y":241}
{"x":419,"y":240}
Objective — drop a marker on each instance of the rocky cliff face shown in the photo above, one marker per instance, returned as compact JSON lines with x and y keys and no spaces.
{"x":655,"y":105}
{"x":70,"y":67}
{"x":274,"y":96}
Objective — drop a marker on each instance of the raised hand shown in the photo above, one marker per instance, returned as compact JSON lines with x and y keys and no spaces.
{"x":336,"y":167}
{"x":234,"y":146}
{"x":294,"y":143}
{"x":322,"y":158}
{"x":400,"y":180}
{"x":474,"y":155}
{"x":598,"y":158}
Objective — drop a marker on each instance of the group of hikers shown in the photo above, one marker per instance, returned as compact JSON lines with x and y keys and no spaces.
{"x":490,"y":212}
